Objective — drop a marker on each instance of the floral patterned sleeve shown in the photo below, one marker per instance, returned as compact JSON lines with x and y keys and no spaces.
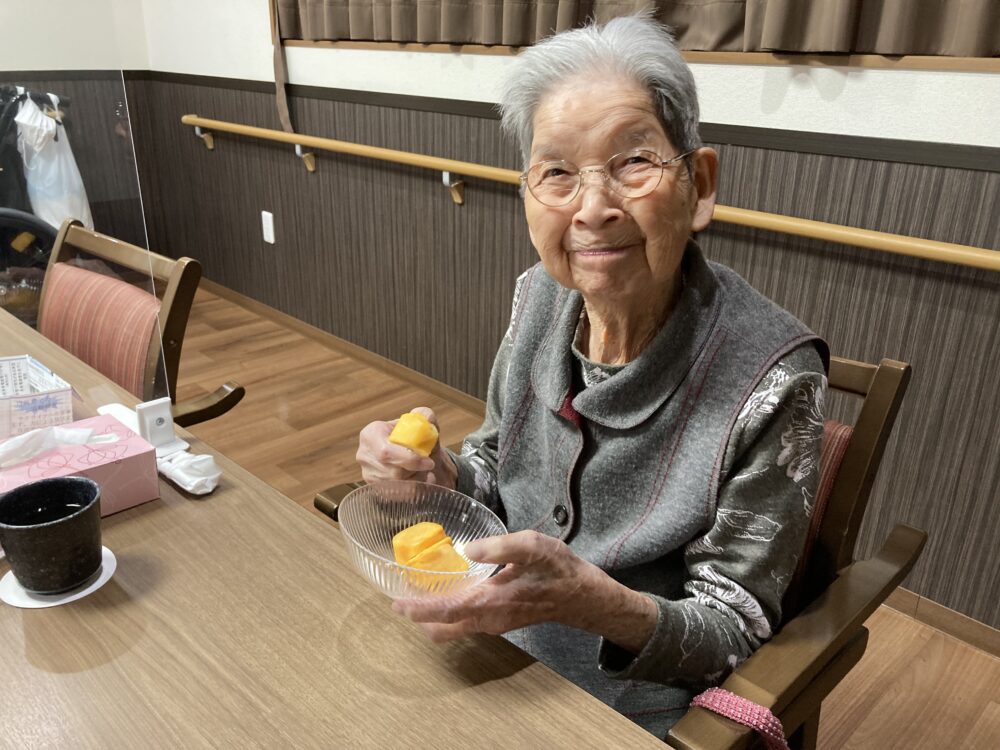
{"x":739,"y":570}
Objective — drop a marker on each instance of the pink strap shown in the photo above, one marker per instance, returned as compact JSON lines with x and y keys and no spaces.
{"x":745,"y":712}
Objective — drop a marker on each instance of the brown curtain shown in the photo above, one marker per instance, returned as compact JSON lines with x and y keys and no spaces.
{"x":963,"y":28}
{"x":969,"y":28}
{"x":700,"y":24}
{"x":488,"y":22}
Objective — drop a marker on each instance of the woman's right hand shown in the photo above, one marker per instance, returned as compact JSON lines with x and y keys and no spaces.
{"x":380,"y":459}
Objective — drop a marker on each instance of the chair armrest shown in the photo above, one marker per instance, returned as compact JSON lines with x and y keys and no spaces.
{"x":328,"y":501}
{"x":781,"y":670}
{"x":203,"y":408}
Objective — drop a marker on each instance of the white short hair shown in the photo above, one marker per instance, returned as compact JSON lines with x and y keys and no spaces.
{"x":634,"y":47}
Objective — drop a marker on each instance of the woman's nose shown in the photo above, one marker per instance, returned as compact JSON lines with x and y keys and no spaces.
{"x":599,"y":204}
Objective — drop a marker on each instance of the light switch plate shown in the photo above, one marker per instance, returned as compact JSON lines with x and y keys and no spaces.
{"x":267,"y":226}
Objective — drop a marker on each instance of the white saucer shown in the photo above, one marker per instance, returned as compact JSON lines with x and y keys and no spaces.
{"x":12,"y":593}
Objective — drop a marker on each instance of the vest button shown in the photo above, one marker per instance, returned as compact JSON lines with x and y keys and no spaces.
{"x":560,"y":515}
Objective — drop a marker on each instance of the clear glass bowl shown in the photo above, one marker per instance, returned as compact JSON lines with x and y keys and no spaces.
{"x":372,"y":514}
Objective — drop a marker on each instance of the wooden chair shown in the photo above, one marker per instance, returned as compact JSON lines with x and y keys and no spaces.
{"x":823,"y":634}
{"x":130,"y":334}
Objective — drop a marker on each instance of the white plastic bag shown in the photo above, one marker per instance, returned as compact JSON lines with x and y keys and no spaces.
{"x":55,"y":187}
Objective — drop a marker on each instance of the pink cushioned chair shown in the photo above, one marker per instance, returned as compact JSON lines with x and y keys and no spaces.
{"x":130,"y":333}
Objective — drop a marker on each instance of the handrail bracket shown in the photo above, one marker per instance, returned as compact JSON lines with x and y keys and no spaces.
{"x":308,"y":157}
{"x":455,"y":186}
{"x":206,"y":136}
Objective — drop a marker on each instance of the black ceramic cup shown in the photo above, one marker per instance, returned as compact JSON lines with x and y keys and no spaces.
{"x":50,"y":531}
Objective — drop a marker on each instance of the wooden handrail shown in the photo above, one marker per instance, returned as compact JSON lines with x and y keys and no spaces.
{"x":944,"y":252}
{"x":464,"y":168}
{"x":900,"y":244}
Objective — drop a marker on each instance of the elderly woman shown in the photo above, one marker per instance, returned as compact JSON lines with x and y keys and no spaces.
{"x":653,"y":423}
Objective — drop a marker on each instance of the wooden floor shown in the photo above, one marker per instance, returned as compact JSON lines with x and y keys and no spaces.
{"x":916,"y":687}
{"x":297,"y":430}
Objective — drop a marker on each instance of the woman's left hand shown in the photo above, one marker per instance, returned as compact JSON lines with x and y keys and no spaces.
{"x":543,"y":581}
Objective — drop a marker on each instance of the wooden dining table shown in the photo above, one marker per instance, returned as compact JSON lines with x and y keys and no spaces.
{"x":236,"y":619}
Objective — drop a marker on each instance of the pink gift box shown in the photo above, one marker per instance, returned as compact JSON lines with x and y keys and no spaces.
{"x":125,"y":469}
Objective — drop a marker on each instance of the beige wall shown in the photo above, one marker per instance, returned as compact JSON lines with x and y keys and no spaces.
{"x":72,"y":35}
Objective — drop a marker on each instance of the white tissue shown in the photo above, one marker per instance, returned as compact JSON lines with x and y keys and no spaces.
{"x":196,"y":473}
{"x":17,"y":450}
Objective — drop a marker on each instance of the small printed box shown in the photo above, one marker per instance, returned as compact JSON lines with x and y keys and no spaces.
{"x":31,"y":396}
{"x":124,"y":465}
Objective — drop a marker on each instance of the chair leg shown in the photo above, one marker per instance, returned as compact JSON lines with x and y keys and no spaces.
{"x":806,"y":736}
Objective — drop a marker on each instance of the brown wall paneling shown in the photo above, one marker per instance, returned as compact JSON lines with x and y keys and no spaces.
{"x":379,"y":255}
{"x":98,"y":128}
{"x":373,"y":252}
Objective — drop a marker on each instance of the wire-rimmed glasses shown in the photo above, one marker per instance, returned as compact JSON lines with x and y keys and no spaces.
{"x":631,"y":174}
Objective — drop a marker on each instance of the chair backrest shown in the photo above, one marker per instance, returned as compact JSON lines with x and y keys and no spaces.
{"x":131,"y":335}
{"x":849,"y":462}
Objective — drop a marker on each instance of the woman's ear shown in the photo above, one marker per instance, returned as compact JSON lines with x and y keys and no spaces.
{"x":706,"y":168}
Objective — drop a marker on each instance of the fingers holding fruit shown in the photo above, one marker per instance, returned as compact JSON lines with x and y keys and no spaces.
{"x":381,"y":459}
{"x":418,"y":431}
{"x":406,"y":448}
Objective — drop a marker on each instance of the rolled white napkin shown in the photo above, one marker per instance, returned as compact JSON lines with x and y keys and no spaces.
{"x":196,"y":473}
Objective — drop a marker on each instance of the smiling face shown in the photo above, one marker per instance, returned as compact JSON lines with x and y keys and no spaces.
{"x":614,"y":250}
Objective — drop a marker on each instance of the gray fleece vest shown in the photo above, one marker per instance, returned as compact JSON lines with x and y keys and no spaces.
{"x":627,"y":471}
{"x":630,"y":467}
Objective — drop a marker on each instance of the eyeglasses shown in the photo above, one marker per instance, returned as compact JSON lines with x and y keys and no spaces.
{"x":631,"y":174}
